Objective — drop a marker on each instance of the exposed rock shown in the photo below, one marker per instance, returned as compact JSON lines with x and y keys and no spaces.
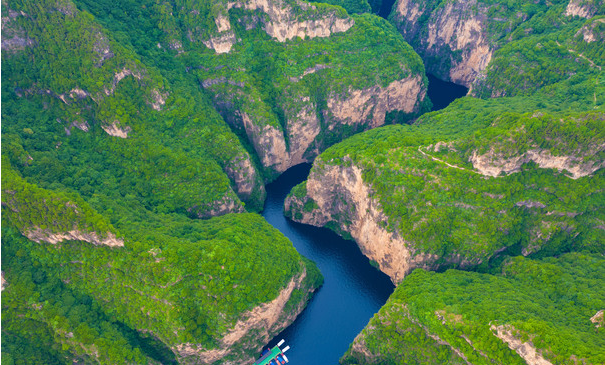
{"x":530,"y":204}
{"x":102,"y":49}
{"x":14,"y":38}
{"x":44,"y":235}
{"x":282,"y":22}
{"x":598,"y":319}
{"x":372,"y":104}
{"x":588,"y":35}
{"x":342,"y":197}
{"x":115,"y":130}
{"x":525,"y":349}
{"x":455,"y":37}
{"x":3,"y":282}
{"x":580,"y":8}
{"x":221,"y":43}
{"x":395,"y":316}
{"x":302,"y":128}
{"x":158,"y":99}
{"x":218,"y":207}
{"x":242,"y":172}
{"x":80,"y":124}
{"x":262,"y":319}
{"x":309,"y":71}
{"x":78,"y":93}
{"x":119,"y":76}
{"x":491,"y":164}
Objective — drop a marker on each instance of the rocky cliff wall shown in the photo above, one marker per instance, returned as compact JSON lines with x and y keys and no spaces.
{"x":451,"y":38}
{"x":337,"y":197}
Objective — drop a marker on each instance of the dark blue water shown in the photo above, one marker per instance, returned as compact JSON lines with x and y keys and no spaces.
{"x":352,"y":292}
{"x":442,"y":93}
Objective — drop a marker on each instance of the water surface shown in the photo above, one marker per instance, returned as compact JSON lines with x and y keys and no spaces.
{"x":352,"y":292}
{"x":442,"y":93}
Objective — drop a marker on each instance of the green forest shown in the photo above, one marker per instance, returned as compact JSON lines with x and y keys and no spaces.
{"x":452,"y":317}
{"x":138,"y":136}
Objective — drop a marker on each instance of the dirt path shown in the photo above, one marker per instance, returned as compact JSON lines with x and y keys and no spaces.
{"x":448,"y":164}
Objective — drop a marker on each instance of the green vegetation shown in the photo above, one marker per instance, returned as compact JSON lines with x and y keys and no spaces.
{"x":509,"y":188}
{"x":180,"y":280}
{"x":530,"y":45}
{"x":557,"y":53}
{"x":449,"y":211}
{"x":439,"y":317}
{"x":112,"y":145}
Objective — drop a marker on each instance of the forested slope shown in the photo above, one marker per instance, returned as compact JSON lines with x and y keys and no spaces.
{"x":503,"y":48}
{"x":529,"y":312}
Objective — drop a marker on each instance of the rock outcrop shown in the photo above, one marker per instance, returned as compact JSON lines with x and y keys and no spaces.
{"x":301,"y":137}
{"x":41,"y":235}
{"x":525,"y":349}
{"x":464,"y":318}
{"x":372,"y":104}
{"x":490,"y":164}
{"x":581,"y":8}
{"x":282,"y":21}
{"x":338,"y":197}
{"x":453,"y":42}
{"x":264,"y":321}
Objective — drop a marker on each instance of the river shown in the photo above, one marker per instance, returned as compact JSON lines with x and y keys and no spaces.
{"x":353,"y":290}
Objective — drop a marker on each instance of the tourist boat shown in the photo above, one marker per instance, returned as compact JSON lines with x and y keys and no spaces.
{"x":275,"y":356}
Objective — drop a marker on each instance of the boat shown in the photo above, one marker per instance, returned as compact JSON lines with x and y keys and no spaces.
{"x":275,"y":356}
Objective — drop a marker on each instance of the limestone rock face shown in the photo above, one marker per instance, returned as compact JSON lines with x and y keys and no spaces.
{"x":40,"y":235}
{"x":282,"y":21}
{"x":583,"y":9}
{"x":263,"y":322}
{"x":302,"y":135}
{"x":453,"y":39}
{"x":490,"y":164}
{"x":339,"y":197}
{"x":372,"y":104}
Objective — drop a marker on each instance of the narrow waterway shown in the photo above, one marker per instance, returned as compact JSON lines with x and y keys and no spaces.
{"x":352,"y":292}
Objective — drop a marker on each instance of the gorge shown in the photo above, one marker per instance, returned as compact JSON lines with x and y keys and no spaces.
{"x":151,"y":148}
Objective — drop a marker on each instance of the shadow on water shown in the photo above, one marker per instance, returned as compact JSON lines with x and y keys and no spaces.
{"x":442,"y":93}
{"x":352,"y":292}
{"x":385,"y":8}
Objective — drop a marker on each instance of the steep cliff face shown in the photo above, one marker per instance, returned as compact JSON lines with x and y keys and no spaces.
{"x":467,"y":42}
{"x":470,"y":318}
{"x":293,"y":105}
{"x":107,"y":88}
{"x":305,"y":126}
{"x":432,"y":206}
{"x":451,"y":38}
{"x":129,"y":192}
{"x":337,"y":197}
{"x":240,"y":344}
{"x":490,"y":164}
{"x":281,"y":20}
{"x":582,"y":8}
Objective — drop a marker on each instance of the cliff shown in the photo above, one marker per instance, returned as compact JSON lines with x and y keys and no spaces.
{"x":473,"y":43}
{"x":314,"y":92}
{"x":471,"y":318}
{"x":411,"y":203}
